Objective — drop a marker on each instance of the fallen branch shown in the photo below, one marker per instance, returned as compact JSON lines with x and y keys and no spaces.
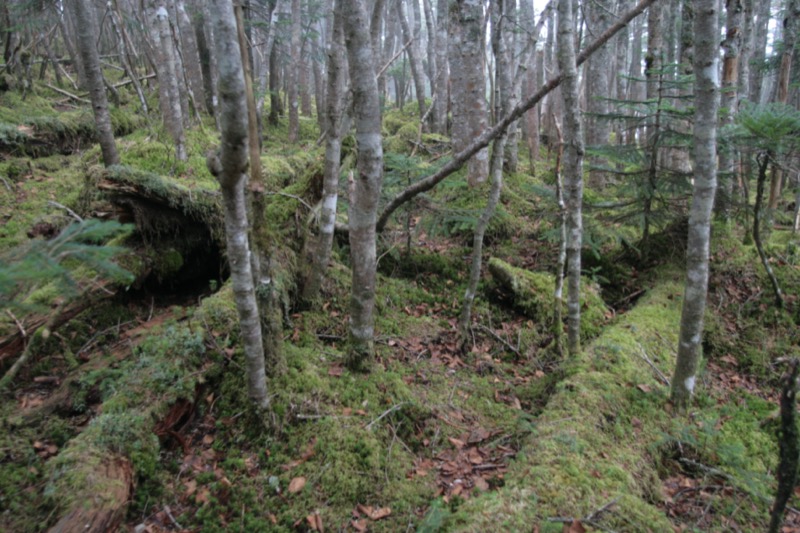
{"x":499,"y":338}
{"x":590,"y":519}
{"x":658,"y":372}
{"x":72,"y":213}
{"x":67,"y":94}
{"x":386,"y":413}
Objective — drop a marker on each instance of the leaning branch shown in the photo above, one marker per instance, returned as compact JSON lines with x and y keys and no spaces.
{"x":487,"y":136}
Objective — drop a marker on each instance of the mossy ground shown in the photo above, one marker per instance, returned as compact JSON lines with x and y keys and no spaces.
{"x":553,"y":440}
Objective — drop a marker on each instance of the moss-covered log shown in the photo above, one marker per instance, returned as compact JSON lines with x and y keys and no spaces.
{"x":110,"y":483}
{"x":593,"y":443}
{"x":532,"y":294}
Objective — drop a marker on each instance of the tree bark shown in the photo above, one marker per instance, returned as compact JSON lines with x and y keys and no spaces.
{"x":573,"y":171}
{"x":292,"y":71}
{"x":705,"y":184}
{"x":442,"y":68}
{"x":173,"y":118}
{"x":503,"y":104}
{"x":413,"y":59}
{"x":468,"y":98}
{"x":599,"y":14}
{"x":229,"y":168}
{"x":91,"y":61}
{"x":367,"y":185}
{"x":729,"y":103}
{"x":191,"y":54}
{"x":333,"y":147}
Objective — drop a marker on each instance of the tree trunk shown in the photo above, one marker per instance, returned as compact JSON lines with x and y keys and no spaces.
{"x":760,"y":35}
{"x":729,"y":103}
{"x":173,"y":117}
{"x":598,"y":85}
{"x":468,"y":99}
{"x":442,"y":68}
{"x":229,"y":168}
{"x":413,"y":59}
{"x":91,"y":61}
{"x":791,"y":20}
{"x":367,"y":184}
{"x":705,"y":184}
{"x":292,"y":71}
{"x":573,"y":170}
{"x":275,"y":101}
{"x":191,"y":55}
{"x":503,"y":104}
{"x":321,"y":254}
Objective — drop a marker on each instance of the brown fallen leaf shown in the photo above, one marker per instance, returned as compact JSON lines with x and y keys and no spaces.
{"x":359,"y":525}
{"x":296,"y":485}
{"x":480,"y":484}
{"x":315,"y":522}
{"x":208,"y":440}
{"x":335,"y":371}
{"x":380,"y":513}
{"x":456,"y":442}
{"x":644,"y":387}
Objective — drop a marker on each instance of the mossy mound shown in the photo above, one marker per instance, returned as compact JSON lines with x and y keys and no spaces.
{"x":532,"y":294}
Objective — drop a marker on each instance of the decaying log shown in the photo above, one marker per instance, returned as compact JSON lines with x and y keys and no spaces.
{"x":111,"y":489}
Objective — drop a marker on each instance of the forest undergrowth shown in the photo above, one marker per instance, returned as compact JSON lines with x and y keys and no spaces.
{"x":505,"y":436}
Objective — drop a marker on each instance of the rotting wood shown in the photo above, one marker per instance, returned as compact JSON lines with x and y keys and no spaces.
{"x":106,"y":511}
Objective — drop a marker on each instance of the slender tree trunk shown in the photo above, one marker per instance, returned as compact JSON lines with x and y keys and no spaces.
{"x":468,"y":100}
{"x":433,"y":69}
{"x":204,"y":54}
{"x":91,"y":61}
{"x":558,"y":294}
{"x":729,"y":103}
{"x":191,"y":55}
{"x":791,"y":21}
{"x":367,"y":185}
{"x":413,"y":59}
{"x":292,"y":73}
{"x":503,"y":104}
{"x":573,"y":170}
{"x":760,"y":35}
{"x":333,"y":147}
{"x":442,"y":68}
{"x":229,"y":168}
{"x":173,"y":119}
{"x":599,"y":16}
{"x":275,"y":101}
{"x":705,"y":184}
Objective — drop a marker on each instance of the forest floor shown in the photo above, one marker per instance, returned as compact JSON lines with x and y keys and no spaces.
{"x":503,"y":436}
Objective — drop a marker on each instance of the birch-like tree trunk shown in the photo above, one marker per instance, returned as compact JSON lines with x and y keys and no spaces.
{"x":413,"y":58}
{"x":503,"y":104}
{"x":97,"y":91}
{"x":467,"y":82}
{"x":706,"y":16}
{"x":191,"y":55}
{"x":229,"y":167}
{"x":573,"y":170}
{"x":599,"y":14}
{"x":442,"y":68}
{"x":292,"y":71}
{"x":367,"y":184}
{"x":173,"y":114}
{"x":321,"y":254}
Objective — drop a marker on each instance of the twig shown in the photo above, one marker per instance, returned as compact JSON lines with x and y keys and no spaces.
{"x":17,"y":322}
{"x":175,"y":523}
{"x":8,"y":186}
{"x":628,"y":298}
{"x":292,"y":196}
{"x":499,"y":338}
{"x":597,"y":512}
{"x":72,"y":213}
{"x":389,"y":63}
{"x":386,"y":413}
{"x":67,"y":94}
{"x":588,"y":519}
{"x":658,"y":372}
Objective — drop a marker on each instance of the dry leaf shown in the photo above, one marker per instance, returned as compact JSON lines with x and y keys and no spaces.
{"x":335,"y":371}
{"x":359,"y":525}
{"x":456,"y":442}
{"x":480,"y":484}
{"x":382,"y":512}
{"x":644,"y":387}
{"x":208,"y":440}
{"x":296,"y":485}
{"x":315,"y":522}
{"x":574,"y":527}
